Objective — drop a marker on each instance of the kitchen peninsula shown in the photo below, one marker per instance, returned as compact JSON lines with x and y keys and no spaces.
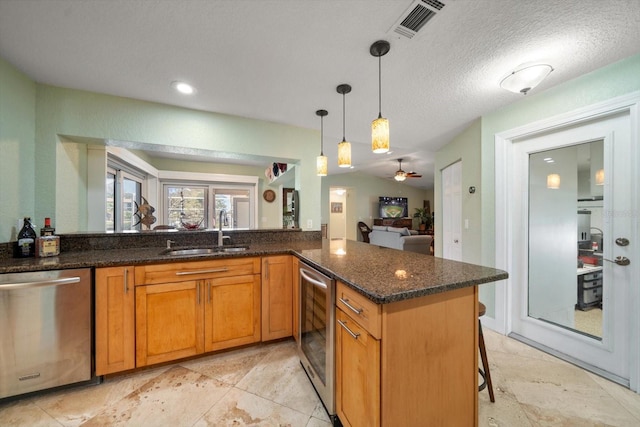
{"x":421,"y":319}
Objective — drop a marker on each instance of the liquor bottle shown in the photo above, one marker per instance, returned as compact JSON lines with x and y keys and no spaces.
{"x":26,"y":240}
{"x":47,"y":230}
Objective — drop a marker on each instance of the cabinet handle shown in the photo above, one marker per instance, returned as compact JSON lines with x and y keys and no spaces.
{"x":209,"y":291}
{"x":353,"y":334}
{"x":215,"y":270}
{"x":198,"y":292}
{"x":126,"y":280}
{"x":266,"y":273}
{"x":357,"y":311}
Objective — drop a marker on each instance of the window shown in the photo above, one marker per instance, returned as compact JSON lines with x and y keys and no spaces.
{"x":200,"y":204}
{"x":124,"y":190}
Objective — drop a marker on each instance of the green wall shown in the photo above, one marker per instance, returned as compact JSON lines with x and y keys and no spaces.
{"x":17,"y":149}
{"x":36,"y":119}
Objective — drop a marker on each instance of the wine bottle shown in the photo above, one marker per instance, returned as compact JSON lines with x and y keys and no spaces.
{"x":26,"y":240}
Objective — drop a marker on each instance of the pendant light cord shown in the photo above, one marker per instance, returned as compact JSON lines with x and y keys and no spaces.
{"x":379,"y":87}
{"x":343,"y":116}
{"x":322,"y":135}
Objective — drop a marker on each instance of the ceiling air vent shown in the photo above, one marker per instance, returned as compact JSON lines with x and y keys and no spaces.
{"x":418,"y":14}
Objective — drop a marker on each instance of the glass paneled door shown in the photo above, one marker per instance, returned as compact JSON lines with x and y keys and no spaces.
{"x":571,"y":241}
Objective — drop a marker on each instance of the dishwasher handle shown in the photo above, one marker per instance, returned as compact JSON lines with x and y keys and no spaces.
{"x":39,"y":284}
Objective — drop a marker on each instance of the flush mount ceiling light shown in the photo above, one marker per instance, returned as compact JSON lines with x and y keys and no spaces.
{"x":321,"y":160}
{"x":380,"y":126}
{"x":344,"y":148}
{"x":526,"y":78}
{"x":182,"y":87}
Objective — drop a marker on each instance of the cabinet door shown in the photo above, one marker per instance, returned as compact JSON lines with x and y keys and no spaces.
{"x":115,"y":323}
{"x":232,"y":311}
{"x":277,"y":297}
{"x":169,"y":321}
{"x":357,"y":374}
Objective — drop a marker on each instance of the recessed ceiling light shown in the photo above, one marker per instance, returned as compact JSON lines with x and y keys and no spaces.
{"x":183,"y":87}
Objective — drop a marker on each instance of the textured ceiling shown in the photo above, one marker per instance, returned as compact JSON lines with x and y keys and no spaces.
{"x":281,"y":60}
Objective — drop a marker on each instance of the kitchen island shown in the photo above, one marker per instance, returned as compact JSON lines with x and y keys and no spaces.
{"x":420,"y":361}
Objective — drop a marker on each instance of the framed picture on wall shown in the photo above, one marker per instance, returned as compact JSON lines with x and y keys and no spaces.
{"x":336,"y":207}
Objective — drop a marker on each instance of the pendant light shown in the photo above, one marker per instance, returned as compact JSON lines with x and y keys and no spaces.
{"x":344,"y":148}
{"x":321,"y":160}
{"x":380,"y":126}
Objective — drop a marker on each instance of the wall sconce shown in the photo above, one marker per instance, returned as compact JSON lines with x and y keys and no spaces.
{"x":526,"y":78}
{"x":553,"y":181}
{"x":600,"y":177}
{"x":321,"y":160}
{"x":344,"y":148}
{"x":380,"y":126}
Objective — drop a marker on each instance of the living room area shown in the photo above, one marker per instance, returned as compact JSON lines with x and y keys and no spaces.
{"x":378,"y":211}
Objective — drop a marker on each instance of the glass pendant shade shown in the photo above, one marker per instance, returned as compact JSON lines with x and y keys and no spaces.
{"x":553,"y":181}
{"x":344,"y":154}
{"x":380,"y":135}
{"x":321,"y":165}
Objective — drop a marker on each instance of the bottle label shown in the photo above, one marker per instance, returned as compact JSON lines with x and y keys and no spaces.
{"x":25,"y":246}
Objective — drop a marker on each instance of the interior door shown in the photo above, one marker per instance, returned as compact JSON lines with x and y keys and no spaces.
{"x":552,"y":247}
{"x":452,"y":212}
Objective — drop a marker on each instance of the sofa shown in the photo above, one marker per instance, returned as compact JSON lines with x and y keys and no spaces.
{"x":400,"y":238}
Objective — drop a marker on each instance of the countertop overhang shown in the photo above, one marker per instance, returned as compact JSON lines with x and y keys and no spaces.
{"x":381,"y":274}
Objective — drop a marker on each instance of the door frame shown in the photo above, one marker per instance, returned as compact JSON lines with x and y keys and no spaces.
{"x":504,"y":169}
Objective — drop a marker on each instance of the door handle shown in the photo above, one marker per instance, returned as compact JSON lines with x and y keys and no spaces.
{"x":621,"y":241}
{"x":620,"y":260}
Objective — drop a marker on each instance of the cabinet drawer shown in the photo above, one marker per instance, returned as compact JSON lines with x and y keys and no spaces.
{"x":359,"y":308}
{"x":195,"y":270}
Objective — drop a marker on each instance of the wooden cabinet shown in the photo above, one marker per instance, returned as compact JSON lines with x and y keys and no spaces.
{"x":394,"y":222}
{"x":115,"y":322}
{"x":357,"y":374}
{"x":184,"y":309}
{"x":232,"y":311}
{"x":277,"y":297}
{"x":423,"y":366}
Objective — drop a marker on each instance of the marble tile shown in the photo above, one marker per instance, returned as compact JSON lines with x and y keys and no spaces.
{"x":315,"y":422}
{"x":25,"y":413}
{"x":506,"y":410}
{"x":241,"y":408}
{"x":73,"y":407}
{"x":627,"y":398}
{"x":320,"y":412}
{"x":229,"y":367}
{"x":280,"y":378}
{"x":178,"y":397}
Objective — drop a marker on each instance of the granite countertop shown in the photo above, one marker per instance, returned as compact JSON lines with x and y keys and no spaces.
{"x":383,"y":275}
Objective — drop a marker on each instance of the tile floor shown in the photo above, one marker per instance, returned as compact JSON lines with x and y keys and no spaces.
{"x":265,"y":386}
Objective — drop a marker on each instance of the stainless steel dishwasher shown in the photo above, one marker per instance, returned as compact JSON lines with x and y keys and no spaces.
{"x":45,"y":330}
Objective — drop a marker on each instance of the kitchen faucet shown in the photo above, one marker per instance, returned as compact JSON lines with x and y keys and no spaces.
{"x":221,"y":237}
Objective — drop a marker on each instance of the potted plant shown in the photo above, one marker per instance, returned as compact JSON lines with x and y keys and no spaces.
{"x":425,"y":218}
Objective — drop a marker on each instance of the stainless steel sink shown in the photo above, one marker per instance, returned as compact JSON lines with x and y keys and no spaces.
{"x":202,"y":251}
{"x":194,"y":251}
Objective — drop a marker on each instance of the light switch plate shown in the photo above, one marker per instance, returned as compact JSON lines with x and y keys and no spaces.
{"x":309,"y":223}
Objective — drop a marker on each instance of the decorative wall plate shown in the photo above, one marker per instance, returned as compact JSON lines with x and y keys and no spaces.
{"x":269,"y":195}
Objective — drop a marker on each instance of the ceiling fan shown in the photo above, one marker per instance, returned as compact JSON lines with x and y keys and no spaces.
{"x":402,"y":175}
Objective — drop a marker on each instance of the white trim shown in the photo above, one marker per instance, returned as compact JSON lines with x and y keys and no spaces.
{"x":210,"y":177}
{"x":130,"y":158}
{"x":504,"y":151}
